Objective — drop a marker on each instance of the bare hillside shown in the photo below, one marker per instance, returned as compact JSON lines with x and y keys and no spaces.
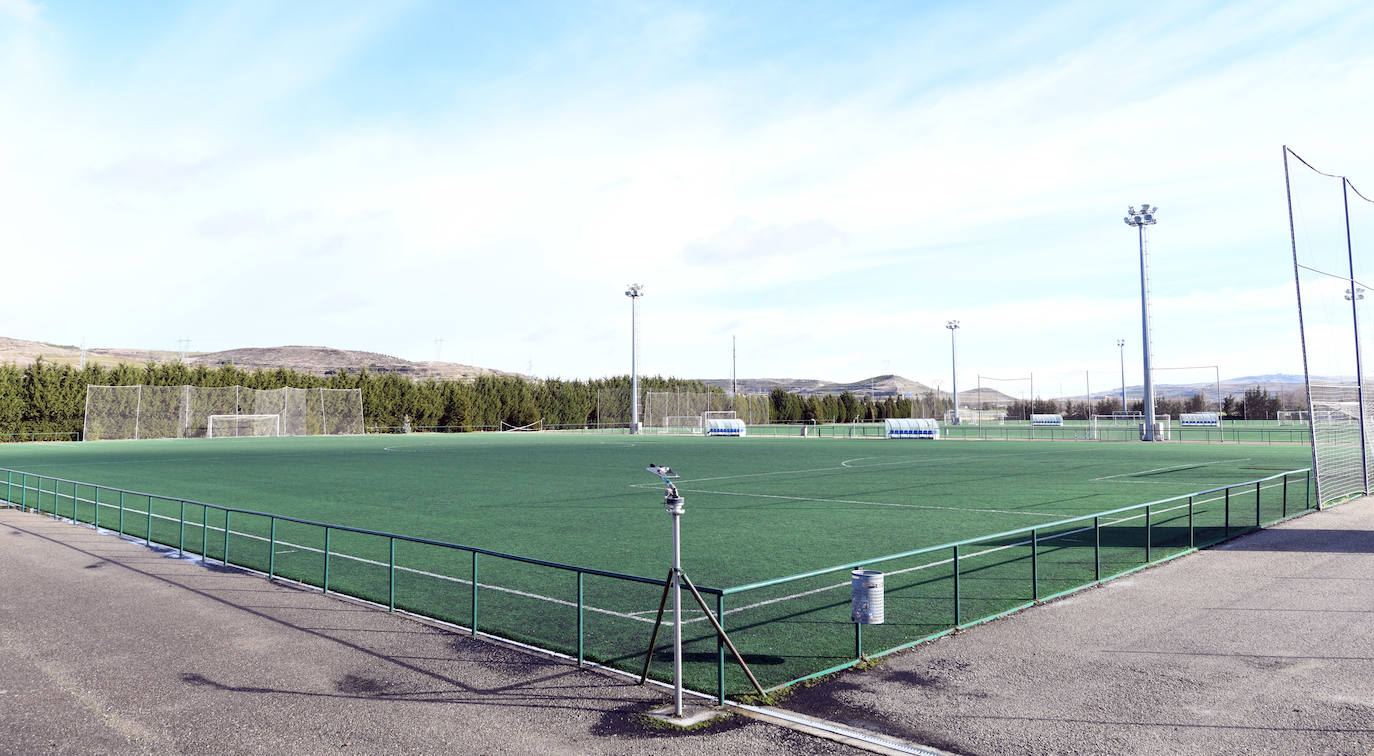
{"x":304,"y":359}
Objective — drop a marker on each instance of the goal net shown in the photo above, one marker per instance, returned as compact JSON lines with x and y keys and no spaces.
{"x":129,"y":412}
{"x":1126,"y":426}
{"x":1331,"y":223}
{"x":239,"y":426}
{"x":753,"y":409}
{"x":681,"y":424}
{"x":1293,"y":417}
{"x":537,"y":425}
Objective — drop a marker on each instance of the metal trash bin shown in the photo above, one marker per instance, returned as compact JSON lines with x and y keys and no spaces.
{"x":866,"y":602}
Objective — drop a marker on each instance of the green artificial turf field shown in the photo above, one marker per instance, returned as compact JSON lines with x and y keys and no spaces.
{"x":756,"y":508}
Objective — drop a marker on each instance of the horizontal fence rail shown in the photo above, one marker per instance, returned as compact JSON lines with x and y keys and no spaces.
{"x":789,"y":629}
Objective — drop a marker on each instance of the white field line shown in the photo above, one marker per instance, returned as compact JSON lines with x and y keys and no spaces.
{"x":1170,"y":467}
{"x":840,"y":467}
{"x":733,"y":610}
{"x":874,"y":503}
{"x":947,"y":560}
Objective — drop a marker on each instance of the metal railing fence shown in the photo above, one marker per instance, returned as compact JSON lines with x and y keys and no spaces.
{"x":933,"y":591}
{"x":789,"y":629}
{"x":592,"y":615}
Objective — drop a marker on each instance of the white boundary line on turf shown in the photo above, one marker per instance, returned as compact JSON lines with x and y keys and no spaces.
{"x":838,"y":468}
{"x":874,"y":503}
{"x":947,"y":560}
{"x":1170,"y":467}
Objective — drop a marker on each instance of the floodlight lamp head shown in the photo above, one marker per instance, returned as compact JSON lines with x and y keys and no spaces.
{"x":635,"y":290}
{"x":951,"y":325}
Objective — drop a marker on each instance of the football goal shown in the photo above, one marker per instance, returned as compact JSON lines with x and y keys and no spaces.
{"x":240,"y":426}
{"x":1293,"y":417}
{"x":681,"y":425}
{"x":1126,"y":427}
{"x":537,"y":425}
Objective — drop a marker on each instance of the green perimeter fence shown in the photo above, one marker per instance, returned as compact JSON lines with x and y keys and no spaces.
{"x":1070,"y":431}
{"x":788,"y":629}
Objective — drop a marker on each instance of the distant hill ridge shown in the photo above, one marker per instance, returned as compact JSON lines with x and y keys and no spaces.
{"x":313,"y":360}
{"x":324,"y":361}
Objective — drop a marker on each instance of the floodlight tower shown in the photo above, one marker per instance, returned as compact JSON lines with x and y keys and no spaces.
{"x":953,"y":326}
{"x":634,"y":292}
{"x":1121,"y":348}
{"x":1140,"y":219}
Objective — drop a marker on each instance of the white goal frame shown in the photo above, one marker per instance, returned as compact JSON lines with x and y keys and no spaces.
{"x":210,"y":425}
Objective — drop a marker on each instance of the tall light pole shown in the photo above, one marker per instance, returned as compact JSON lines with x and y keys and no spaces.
{"x":1121,"y":347}
{"x":1140,"y":219}
{"x":634,"y":292}
{"x":953,"y":326}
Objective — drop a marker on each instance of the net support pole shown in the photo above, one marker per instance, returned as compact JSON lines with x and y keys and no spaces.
{"x":1354,"y":297}
{"x":1302,"y":332}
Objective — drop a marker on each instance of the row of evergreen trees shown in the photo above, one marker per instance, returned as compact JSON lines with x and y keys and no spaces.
{"x":48,"y":399}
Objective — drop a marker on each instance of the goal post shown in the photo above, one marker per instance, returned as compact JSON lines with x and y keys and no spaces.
{"x":240,"y":426}
{"x":1293,"y":417}
{"x":682,"y":424}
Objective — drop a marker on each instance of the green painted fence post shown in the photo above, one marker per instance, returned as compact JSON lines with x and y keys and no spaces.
{"x":1307,"y":497}
{"x":326,"y":559}
{"x":1227,"y":511}
{"x":720,"y":650}
{"x":579,"y":618}
{"x":1035,"y":565}
{"x":1192,"y":538}
{"x":956,"y":586}
{"x":95,"y":519}
{"x":1257,"y":503}
{"x":204,"y":530}
{"x":121,"y":513}
{"x":391,"y":577}
{"x":181,"y":530}
{"x":272,"y":549}
{"x":1285,"y":495}
{"x":226,"y":538}
{"x":1148,"y":539}
{"x":474,"y":593}
{"x":858,"y":641}
{"x":1097,"y":549}
{"x":148,"y":534}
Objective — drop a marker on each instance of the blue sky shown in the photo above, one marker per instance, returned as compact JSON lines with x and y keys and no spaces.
{"x":828,"y":182}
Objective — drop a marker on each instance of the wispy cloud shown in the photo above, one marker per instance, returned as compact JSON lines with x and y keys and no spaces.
{"x":830,"y":194}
